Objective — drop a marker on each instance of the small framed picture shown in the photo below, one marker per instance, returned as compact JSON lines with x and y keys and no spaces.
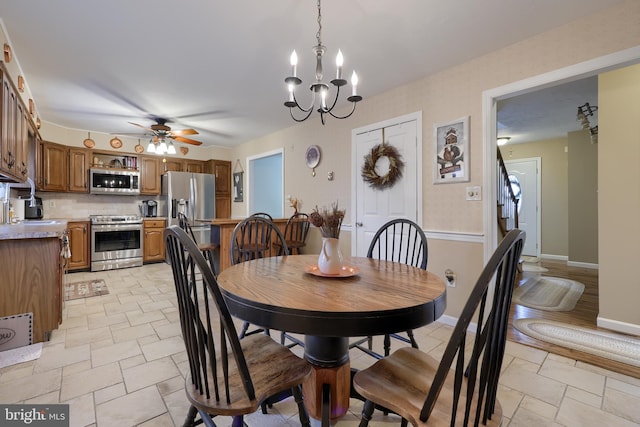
{"x":237,"y":187}
{"x":451,"y":151}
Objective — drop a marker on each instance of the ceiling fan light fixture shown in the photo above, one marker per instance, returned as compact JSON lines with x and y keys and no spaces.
{"x":171,"y":149}
{"x":151,"y":148}
{"x":162,"y":148}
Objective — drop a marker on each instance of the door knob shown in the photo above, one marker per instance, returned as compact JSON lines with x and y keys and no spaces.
{"x":358,"y":224}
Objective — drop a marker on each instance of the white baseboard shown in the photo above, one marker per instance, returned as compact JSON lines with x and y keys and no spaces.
{"x":616,"y":325}
{"x":583,"y":265}
{"x":554,"y":257}
{"x":452,"y":321}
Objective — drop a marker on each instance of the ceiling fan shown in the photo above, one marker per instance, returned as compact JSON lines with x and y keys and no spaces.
{"x":160,"y":132}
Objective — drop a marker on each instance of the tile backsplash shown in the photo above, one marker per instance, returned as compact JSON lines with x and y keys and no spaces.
{"x":80,"y":206}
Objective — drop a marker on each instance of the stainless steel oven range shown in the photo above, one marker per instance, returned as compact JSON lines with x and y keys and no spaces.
{"x":116,"y":241}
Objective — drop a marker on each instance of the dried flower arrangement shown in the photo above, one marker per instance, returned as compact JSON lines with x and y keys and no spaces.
{"x":328,"y":220}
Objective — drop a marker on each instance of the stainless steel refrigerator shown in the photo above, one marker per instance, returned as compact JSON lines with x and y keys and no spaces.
{"x":194,"y":195}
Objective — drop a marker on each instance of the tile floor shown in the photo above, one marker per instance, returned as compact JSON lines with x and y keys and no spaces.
{"x":119,"y":360}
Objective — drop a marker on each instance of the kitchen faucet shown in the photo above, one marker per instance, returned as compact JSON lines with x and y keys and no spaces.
{"x":32,"y":199}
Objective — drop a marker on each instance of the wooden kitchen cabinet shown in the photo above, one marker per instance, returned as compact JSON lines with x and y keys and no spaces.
{"x":79,"y":161}
{"x":54,"y":166}
{"x":153,"y":244}
{"x":33,"y":284}
{"x":195,"y":166}
{"x":222,"y":170}
{"x":171,"y":165}
{"x":149,"y":175}
{"x":79,"y":244}
{"x":14,"y":134}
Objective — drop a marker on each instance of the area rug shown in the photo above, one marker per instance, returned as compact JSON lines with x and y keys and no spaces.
{"x":549,"y":293}
{"x":618,"y":347}
{"x":20,"y":354}
{"x":85,"y":289}
{"x":529,"y":258}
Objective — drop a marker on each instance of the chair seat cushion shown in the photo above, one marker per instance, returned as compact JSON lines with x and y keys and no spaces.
{"x":400,"y":383}
{"x":273,"y":368}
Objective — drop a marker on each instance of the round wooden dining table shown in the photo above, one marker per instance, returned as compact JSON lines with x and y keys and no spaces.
{"x":369,"y":297}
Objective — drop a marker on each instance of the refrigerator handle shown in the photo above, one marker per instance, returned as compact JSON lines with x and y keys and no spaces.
{"x":174,"y":208}
{"x":192,"y":198}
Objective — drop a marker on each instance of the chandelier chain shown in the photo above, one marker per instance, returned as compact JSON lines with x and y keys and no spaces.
{"x":319,"y":33}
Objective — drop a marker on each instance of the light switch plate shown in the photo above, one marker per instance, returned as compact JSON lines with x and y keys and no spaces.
{"x":474,"y":193}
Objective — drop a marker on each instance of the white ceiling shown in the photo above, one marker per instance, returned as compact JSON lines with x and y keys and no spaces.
{"x":219,"y":66}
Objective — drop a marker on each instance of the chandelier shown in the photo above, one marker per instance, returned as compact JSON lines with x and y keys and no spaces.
{"x":319,"y":89}
{"x":159,"y":145}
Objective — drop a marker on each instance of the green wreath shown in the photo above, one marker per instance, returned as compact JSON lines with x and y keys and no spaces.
{"x":396,"y":165}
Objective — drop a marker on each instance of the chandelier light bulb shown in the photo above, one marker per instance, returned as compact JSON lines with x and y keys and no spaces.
{"x":151,"y":148}
{"x":354,"y":83}
{"x":339,"y":62}
{"x":294,"y":63}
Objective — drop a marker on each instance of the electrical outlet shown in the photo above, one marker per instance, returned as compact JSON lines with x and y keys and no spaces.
{"x":451,"y":278}
{"x":474,"y":193}
{"x":52,"y":203}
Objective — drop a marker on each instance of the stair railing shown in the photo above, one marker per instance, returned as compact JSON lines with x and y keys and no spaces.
{"x":507,"y":201}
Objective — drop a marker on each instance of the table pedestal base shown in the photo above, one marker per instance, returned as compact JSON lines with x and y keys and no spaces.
{"x":326,"y":391}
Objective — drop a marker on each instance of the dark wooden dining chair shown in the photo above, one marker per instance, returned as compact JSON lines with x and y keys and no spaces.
{"x":207,"y":249}
{"x":263,"y":215}
{"x":253,"y":238}
{"x":227,"y":376}
{"x":399,"y":240}
{"x":295,"y":232}
{"x":425,"y":391}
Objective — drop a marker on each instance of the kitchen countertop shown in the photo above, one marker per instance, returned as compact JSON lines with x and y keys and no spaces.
{"x":39,"y":229}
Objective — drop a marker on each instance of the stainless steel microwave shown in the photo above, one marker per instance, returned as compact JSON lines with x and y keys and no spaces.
{"x":120,"y":182}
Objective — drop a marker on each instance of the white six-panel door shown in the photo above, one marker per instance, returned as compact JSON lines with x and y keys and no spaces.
{"x":374,"y":207}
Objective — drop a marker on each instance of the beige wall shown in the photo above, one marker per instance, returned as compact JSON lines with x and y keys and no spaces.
{"x":553,"y":192}
{"x":583,"y":198}
{"x":444,"y":96}
{"x":619,"y":197}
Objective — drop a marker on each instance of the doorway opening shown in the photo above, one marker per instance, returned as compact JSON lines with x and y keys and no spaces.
{"x":265,"y":183}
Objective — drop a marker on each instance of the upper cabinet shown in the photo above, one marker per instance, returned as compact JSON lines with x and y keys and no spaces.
{"x":63,"y":169}
{"x":222,"y":170}
{"x":54,"y":167}
{"x":149,"y":175}
{"x":79,"y":163}
{"x":15,"y":124}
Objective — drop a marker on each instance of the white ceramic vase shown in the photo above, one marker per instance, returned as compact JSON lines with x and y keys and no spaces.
{"x":330,"y":259}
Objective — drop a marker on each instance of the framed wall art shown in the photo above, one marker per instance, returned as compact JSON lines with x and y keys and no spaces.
{"x":237,"y":187}
{"x":451,"y":157}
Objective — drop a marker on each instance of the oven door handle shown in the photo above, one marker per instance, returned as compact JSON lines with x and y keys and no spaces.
{"x":116,"y":227}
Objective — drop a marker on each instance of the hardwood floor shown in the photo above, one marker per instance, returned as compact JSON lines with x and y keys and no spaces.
{"x":584,"y":314}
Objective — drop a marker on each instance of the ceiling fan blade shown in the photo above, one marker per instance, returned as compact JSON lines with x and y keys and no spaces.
{"x":186,"y":140}
{"x":184,"y":132}
{"x":143,"y":127}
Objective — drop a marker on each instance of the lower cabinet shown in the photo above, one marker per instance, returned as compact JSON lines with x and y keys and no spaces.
{"x":153,"y":243}
{"x":79,"y":244}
